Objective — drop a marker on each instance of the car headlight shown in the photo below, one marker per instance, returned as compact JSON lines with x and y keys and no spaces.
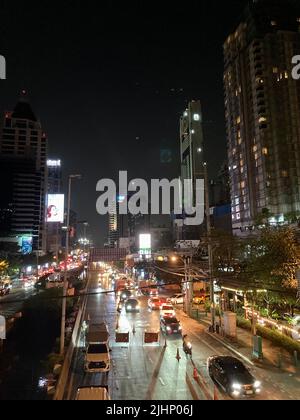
{"x":129,"y":308}
{"x":169,"y":329}
{"x":257,"y":384}
{"x":237,"y":387}
{"x":180,"y":328}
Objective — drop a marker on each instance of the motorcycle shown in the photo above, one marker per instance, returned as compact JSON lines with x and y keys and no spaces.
{"x":187,"y":347}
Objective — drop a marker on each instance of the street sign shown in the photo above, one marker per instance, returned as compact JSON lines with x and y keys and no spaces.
{"x":2,"y":328}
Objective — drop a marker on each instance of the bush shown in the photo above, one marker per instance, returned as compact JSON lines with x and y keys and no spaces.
{"x":244,"y":323}
{"x":279,"y":339}
{"x":274,"y":336}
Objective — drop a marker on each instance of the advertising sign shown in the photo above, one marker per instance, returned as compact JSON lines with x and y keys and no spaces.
{"x":55,"y":208}
{"x":145,"y":242}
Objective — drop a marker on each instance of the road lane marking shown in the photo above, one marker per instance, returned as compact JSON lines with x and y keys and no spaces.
{"x":162,"y":382}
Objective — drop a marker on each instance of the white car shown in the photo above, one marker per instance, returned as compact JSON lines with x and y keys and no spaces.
{"x":167,"y":311}
{"x":177,"y":300}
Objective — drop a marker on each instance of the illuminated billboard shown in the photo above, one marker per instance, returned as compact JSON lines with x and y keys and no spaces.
{"x":26,"y":244}
{"x":145,"y":242}
{"x":55,"y":208}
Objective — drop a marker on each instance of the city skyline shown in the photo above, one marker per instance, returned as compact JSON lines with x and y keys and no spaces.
{"x":148,"y":84}
{"x":150,"y":206}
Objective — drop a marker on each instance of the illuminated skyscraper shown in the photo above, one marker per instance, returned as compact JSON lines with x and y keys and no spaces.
{"x":22,"y":139}
{"x":262,"y":104}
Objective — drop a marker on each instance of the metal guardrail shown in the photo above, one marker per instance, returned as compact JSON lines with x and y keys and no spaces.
{"x":61,"y":384}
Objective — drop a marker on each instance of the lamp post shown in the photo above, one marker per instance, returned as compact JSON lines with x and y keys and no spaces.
{"x":210,"y":251}
{"x":65,"y":289}
{"x":187,"y":279}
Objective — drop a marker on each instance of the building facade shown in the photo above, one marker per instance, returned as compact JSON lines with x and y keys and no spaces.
{"x":262,"y":103}
{"x":22,"y":138}
{"x":191,"y":157}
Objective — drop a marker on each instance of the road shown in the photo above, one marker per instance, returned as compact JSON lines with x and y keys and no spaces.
{"x":13,"y":303}
{"x":154,"y":373}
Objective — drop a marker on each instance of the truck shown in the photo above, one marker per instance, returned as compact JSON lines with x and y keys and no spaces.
{"x":97,"y":356}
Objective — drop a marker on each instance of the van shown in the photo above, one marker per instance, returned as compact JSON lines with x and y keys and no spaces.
{"x":92,"y":394}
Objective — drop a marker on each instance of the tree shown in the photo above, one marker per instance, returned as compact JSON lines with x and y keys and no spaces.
{"x":272,"y":260}
{"x":3,"y":267}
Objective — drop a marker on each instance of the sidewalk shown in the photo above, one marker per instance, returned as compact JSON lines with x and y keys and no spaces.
{"x":274,"y":356}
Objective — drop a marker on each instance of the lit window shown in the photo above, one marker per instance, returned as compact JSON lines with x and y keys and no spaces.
{"x":273,"y":23}
{"x":255,"y":149}
{"x":262,"y":120}
{"x":196,"y":117}
{"x":238,"y":120}
{"x":275,"y":70}
{"x":284,"y":174}
{"x":243,"y":184}
{"x":265,"y":151}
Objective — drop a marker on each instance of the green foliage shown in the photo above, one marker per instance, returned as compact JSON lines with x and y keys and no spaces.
{"x":274,"y":336}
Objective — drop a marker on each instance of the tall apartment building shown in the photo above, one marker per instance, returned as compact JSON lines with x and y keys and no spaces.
{"x":262,"y":104}
{"x":22,"y":138}
{"x":191,"y":154}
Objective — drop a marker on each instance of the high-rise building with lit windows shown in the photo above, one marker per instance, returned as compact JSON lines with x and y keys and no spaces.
{"x":23,"y":141}
{"x":262,"y":103}
{"x":191,"y":156}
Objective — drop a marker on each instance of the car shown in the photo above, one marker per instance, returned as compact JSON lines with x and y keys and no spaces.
{"x":170,"y":326}
{"x":154,"y":304}
{"x":167,"y":311}
{"x":125,"y":295}
{"x":177,"y":299}
{"x":153,"y":292}
{"x":165,"y":301}
{"x":199,"y":300}
{"x":233,"y":377}
{"x":132,"y":305}
{"x":93,"y":394}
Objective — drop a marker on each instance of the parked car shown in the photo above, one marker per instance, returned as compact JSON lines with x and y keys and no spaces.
{"x":177,"y":299}
{"x":170,"y":326}
{"x":233,"y":377}
{"x":132,"y":305}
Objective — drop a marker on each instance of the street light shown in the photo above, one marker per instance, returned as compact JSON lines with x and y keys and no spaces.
{"x":210,"y":251}
{"x":65,"y":290}
{"x":187,"y":276}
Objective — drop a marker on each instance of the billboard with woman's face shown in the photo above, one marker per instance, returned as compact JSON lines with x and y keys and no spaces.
{"x":55,"y":208}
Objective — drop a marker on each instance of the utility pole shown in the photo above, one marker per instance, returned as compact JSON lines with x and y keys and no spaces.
{"x":66,"y":284}
{"x":210,"y":250}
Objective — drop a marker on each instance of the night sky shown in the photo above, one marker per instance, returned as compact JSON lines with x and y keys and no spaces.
{"x":109,"y":83}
